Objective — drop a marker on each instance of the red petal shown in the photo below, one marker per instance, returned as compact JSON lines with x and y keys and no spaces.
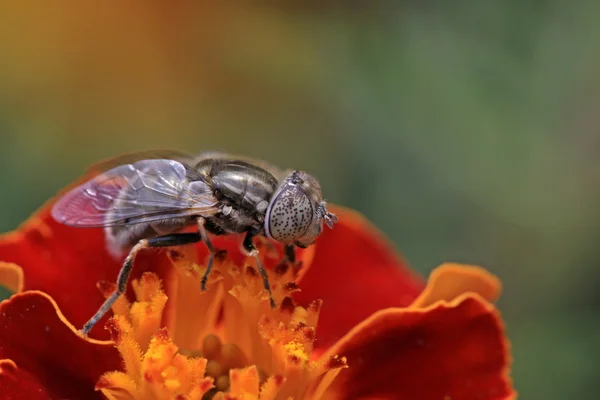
{"x":355,"y":271}
{"x":64,"y":262}
{"x":17,"y":383}
{"x":67,"y":263}
{"x":47,"y":351}
{"x":451,"y":350}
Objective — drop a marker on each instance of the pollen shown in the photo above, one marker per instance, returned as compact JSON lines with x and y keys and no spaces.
{"x":296,"y":350}
{"x":223,"y":343}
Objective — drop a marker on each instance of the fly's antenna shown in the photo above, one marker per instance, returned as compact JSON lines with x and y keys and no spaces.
{"x":329,"y":217}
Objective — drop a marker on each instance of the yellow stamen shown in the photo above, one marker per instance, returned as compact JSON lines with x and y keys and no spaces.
{"x":182,"y":349}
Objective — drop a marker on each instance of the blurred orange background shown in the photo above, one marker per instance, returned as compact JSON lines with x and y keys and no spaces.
{"x":466,"y":131}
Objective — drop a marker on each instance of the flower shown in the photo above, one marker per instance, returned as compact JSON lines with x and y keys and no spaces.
{"x":352,"y":322}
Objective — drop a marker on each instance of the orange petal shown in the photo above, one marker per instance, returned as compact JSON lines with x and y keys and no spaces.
{"x":450,"y":280}
{"x":191,"y":313}
{"x":245,"y":383}
{"x":146,"y":313}
{"x":270,"y":388}
{"x":46,"y":349}
{"x":451,"y":350}
{"x":117,"y":385}
{"x":131,"y":353}
{"x":355,"y":271}
{"x":11,"y":276}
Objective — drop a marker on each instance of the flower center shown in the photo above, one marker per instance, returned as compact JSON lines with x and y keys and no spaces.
{"x":221,"y":359}
{"x":203,"y":344}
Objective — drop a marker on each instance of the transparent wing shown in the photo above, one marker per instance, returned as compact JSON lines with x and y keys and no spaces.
{"x":144,"y":191}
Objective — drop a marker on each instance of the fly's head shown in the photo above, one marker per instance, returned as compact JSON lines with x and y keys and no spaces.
{"x":297,"y":211}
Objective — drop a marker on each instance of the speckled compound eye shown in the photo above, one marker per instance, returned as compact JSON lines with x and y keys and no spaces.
{"x":290,"y":214}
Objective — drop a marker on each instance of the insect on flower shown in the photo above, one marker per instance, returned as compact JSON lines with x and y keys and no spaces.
{"x":146,"y":199}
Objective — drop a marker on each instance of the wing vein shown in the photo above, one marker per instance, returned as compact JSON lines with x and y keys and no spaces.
{"x":144,"y":191}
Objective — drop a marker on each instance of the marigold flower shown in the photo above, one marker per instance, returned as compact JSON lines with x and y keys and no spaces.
{"x":352,"y":322}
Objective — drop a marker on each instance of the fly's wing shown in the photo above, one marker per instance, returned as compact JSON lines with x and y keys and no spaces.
{"x":145,"y":191}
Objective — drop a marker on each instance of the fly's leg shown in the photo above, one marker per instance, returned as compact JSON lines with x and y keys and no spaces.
{"x":271,"y":250}
{"x":251,"y":250}
{"x":290,"y":254}
{"x":176,"y":239}
{"x":211,"y":251}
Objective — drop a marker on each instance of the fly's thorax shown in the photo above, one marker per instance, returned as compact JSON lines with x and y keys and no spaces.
{"x":232,"y":220}
{"x":240,"y":183}
{"x":210,"y":162}
{"x":296,"y":211}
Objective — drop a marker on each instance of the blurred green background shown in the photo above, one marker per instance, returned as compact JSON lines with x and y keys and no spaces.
{"x":467,"y":131}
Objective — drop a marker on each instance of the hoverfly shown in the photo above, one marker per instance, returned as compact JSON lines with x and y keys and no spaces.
{"x":145,"y":199}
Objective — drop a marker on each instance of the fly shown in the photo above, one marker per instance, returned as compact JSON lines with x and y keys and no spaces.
{"x":146,"y":199}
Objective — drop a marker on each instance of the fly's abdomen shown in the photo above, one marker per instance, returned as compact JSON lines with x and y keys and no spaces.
{"x":121,"y":238}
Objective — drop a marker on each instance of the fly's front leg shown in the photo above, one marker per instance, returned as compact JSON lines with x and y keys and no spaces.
{"x":271,"y":251}
{"x":211,"y":250}
{"x":176,"y":239}
{"x":251,"y":250}
{"x":290,"y":253}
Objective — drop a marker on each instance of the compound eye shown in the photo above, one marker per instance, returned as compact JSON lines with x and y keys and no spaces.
{"x":290,"y":214}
